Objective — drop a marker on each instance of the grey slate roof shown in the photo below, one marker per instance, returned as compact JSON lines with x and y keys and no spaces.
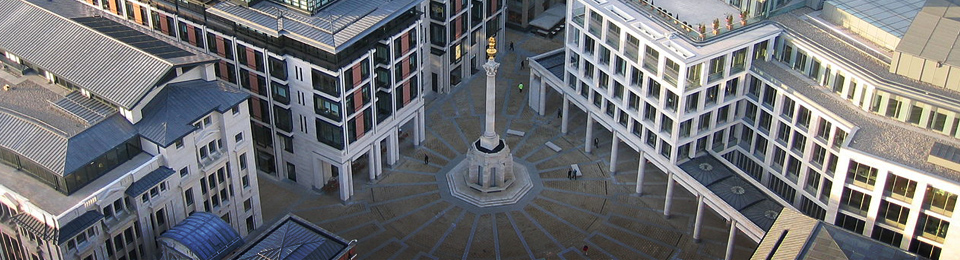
{"x":171,"y":113}
{"x":148,"y":181}
{"x":338,"y":25}
{"x":36,"y":227}
{"x":933,"y":33}
{"x":206,"y":235}
{"x":293,"y":238}
{"x":734,"y":190}
{"x":796,"y":236}
{"x":879,"y":136}
{"x":77,"y":225}
{"x":30,"y":126}
{"x":105,"y":66}
{"x":553,"y":63}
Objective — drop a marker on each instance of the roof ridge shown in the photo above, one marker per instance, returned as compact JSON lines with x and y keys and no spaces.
{"x":35,"y":121}
{"x":70,"y":20}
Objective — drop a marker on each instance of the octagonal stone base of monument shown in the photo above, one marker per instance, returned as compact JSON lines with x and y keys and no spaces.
{"x":453,"y":183}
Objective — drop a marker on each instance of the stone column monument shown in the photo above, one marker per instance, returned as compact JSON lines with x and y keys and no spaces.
{"x":490,"y":167}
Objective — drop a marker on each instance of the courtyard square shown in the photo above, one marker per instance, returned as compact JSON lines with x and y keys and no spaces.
{"x":407,"y":215}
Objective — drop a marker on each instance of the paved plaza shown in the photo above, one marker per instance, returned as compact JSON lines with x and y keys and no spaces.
{"x":406,"y":215}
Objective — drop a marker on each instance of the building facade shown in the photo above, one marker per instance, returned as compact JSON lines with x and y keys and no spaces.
{"x":332,"y":83}
{"x":801,"y":106}
{"x":457,"y":31}
{"x":111,"y":136}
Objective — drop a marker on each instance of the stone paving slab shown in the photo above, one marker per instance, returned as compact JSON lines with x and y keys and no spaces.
{"x":402,"y":215}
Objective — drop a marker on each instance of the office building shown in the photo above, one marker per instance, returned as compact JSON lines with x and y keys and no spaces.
{"x":111,"y":135}
{"x":845,"y":110}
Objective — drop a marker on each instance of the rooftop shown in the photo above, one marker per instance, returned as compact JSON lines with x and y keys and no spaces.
{"x":933,"y":34}
{"x":55,"y":203}
{"x":886,"y":138}
{"x":32,"y":125}
{"x":293,"y":238}
{"x":697,"y":11}
{"x":121,"y":68}
{"x":854,"y":55}
{"x":336,"y":26}
{"x":206,"y":235}
{"x":171,"y":113}
{"x":892,"y":16}
{"x":796,"y":236}
{"x":552,"y":62}
{"x":750,"y":201}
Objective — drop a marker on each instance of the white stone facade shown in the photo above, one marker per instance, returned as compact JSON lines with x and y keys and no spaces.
{"x":672,"y":98}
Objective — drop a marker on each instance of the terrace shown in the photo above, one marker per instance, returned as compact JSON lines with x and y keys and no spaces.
{"x":699,"y":20}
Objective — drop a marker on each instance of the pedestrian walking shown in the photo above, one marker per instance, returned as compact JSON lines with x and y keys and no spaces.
{"x":521,"y":87}
{"x":586,"y":250}
{"x":426,"y":159}
{"x":511,"y":46}
{"x":596,"y":143}
{"x":523,"y":64}
{"x":559,"y":113}
{"x":575,"y":173}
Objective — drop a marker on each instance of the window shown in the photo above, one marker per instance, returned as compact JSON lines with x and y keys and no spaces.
{"x":893,"y":214}
{"x":803,"y":118}
{"x":850,"y":223}
{"x":716,"y":68}
{"x":247,"y":205}
{"x":242,"y":161}
{"x":861,"y":175}
{"x":179,"y":143}
{"x":185,"y":171}
{"x":900,"y":188}
{"x":739,"y":61}
{"x":939,"y":201}
{"x":924,"y":249}
{"x":188,"y":196}
{"x":238,"y":137}
{"x":292,"y":172}
{"x":812,"y":182}
{"x":928,"y":227}
{"x":787,"y":109}
{"x":819,"y":154}
{"x":887,"y":236}
{"x":855,"y":201}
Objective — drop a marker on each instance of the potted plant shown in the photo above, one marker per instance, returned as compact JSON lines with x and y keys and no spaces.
{"x":729,"y":22}
{"x":743,"y":18}
{"x":701,"y":30}
{"x":716,"y":26}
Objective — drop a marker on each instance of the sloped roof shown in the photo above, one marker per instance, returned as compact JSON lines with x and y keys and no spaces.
{"x":206,"y":235}
{"x":740,"y":194}
{"x":148,"y":181}
{"x":797,"y":236}
{"x":55,"y":149}
{"x":77,"y":225}
{"x":933,"y":35}
{"x":293,"y":238}
{"x":337,"y":25}
{"x":171,"y":113}
{"x":107,"y":67}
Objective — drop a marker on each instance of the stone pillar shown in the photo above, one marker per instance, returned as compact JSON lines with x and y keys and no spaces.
{"x":489,"y":139}
{"x":669,"y":196}
{"x":588,"y":142}
{"x":422,"y":125}
{"x":393,"y":147}
{"x":542,"y":94}
{"x":373,"y":160}
{"x":733,"y":234}
{"x":698,"y":221}
{"x":640,"y":171}
{"x":416,"y":129}
{"x":613,"y":153}
{"x":344,"y":180}
{"x":565,"y":118}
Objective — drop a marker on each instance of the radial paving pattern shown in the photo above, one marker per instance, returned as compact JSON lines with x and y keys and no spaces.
{"x":404,"y":216}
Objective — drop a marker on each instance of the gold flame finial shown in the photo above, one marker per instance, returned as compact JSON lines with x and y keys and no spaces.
{"x":492,"y":48}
